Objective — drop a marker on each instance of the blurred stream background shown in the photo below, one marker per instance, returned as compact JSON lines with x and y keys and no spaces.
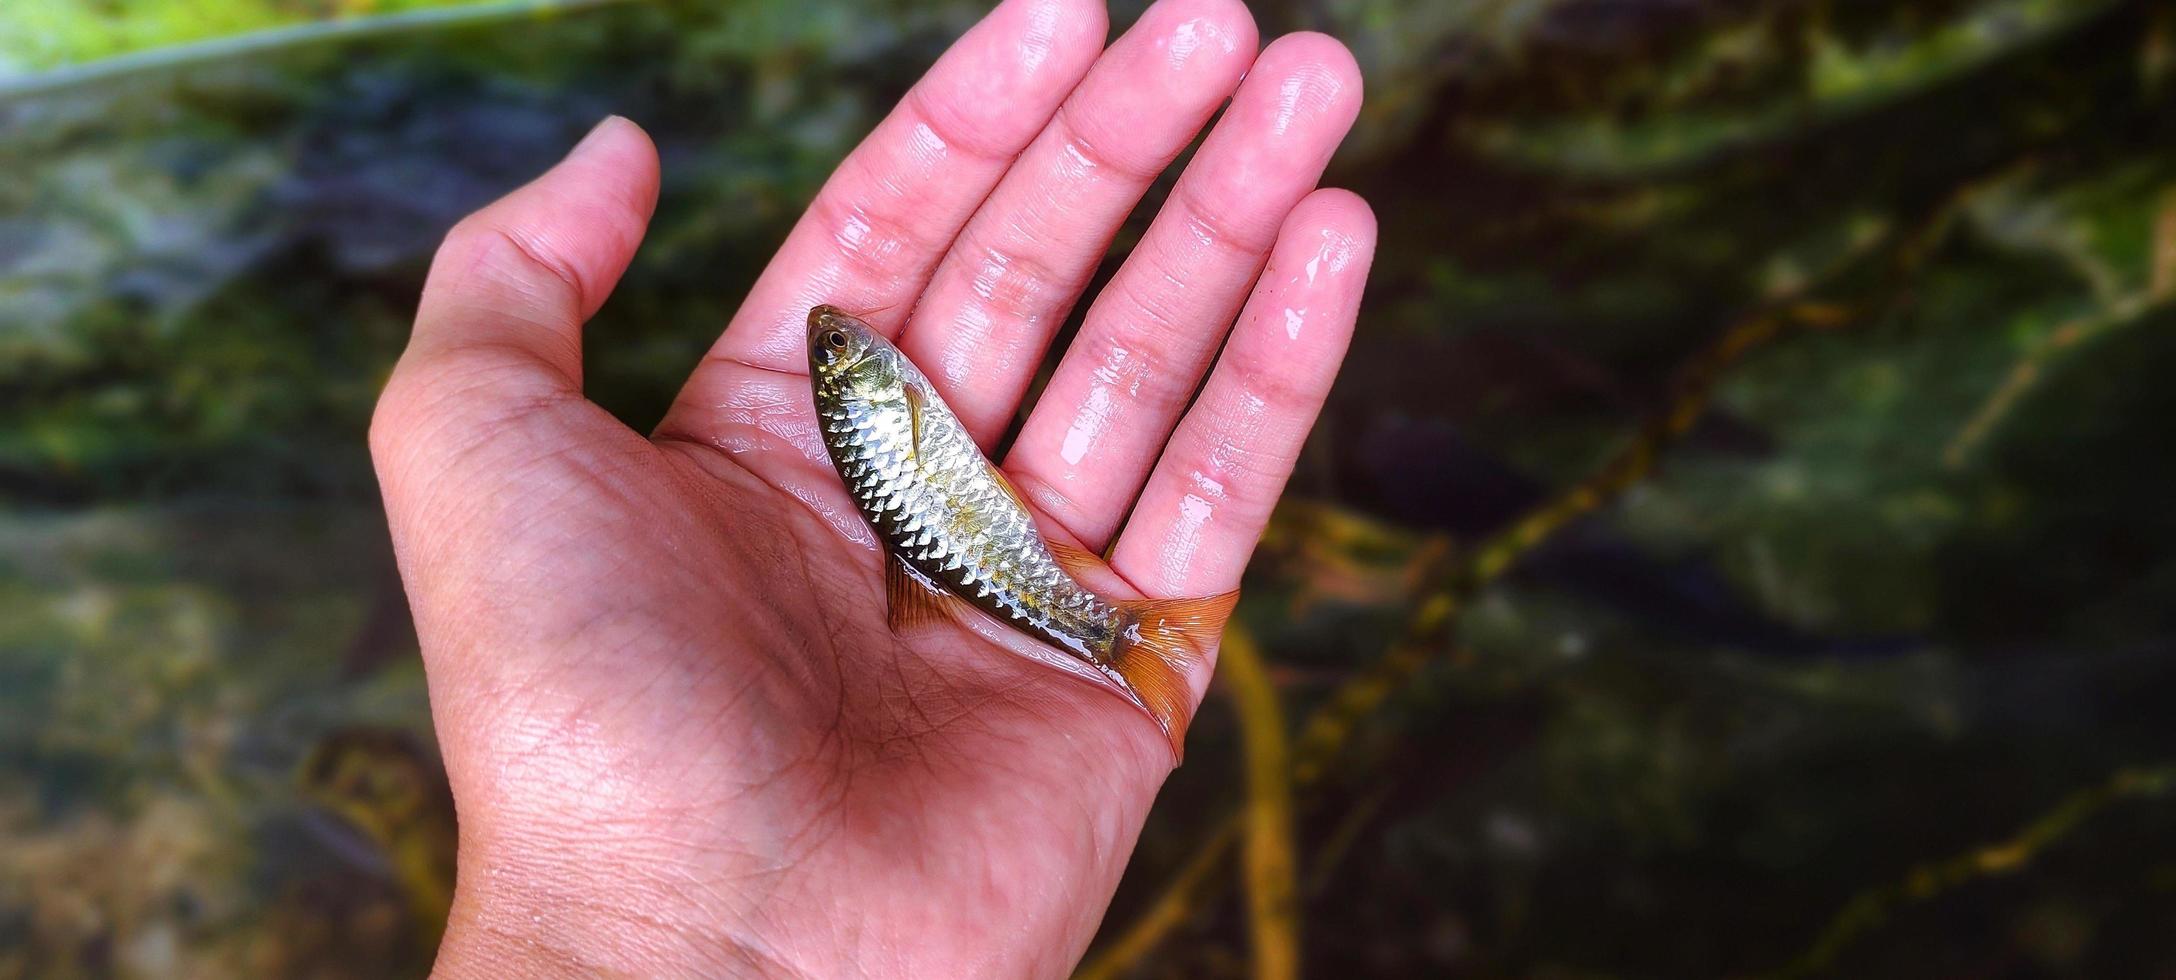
{"x":1740,"y":543}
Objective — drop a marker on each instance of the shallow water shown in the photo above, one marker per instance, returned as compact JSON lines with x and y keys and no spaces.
{"x":1867,"y":673}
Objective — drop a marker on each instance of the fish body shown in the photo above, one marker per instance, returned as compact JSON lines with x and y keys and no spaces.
{"x":954,"y":528}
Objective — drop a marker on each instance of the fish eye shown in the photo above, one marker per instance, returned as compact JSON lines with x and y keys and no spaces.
{"x":835,"y":339}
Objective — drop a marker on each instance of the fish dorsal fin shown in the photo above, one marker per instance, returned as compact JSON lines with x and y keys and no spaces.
{"x":914,"y":603}
{"x":914,"y":419}
{"x":1072,"y":558}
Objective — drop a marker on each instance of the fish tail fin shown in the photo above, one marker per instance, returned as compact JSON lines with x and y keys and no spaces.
{"x":1160,"y":642}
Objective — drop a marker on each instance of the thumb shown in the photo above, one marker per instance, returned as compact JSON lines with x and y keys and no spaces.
{"x":501,"y":315}
{"x":498,"y":340}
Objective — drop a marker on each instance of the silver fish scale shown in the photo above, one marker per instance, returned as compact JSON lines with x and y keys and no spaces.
{"x":928,"y":509}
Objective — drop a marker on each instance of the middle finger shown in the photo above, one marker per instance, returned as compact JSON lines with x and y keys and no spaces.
{"x":1149,"y":337}
{"x":1024,"y":258}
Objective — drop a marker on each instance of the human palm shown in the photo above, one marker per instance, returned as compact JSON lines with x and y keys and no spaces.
{"x":682,"y":738}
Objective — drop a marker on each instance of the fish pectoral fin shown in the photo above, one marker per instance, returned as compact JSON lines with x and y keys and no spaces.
{"x":914,"y":603}
{"x":914,"y":418}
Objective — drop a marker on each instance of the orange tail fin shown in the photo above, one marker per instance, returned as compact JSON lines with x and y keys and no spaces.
{"x":1160,"y":645}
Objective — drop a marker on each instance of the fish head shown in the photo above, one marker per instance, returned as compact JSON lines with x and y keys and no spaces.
{"x":849,"y":360}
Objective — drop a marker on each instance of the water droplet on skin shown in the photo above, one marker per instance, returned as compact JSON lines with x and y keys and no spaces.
{"x":1117,"y":369}
{"x":857,"y":235}
{"x":1186,"y":531}
{"x":1238,"y":427}
{"x":1293,"y":321}
{"x":925,"y":148}
{"x":847,"y":521}
{"x":994,"y":264}
{"x":1199,"y":239}
{"x":1078,"y":163}
{"x":1194,"y":35}
{"x":1118,"y":374}
{"x":1095,"y":416}
{"x":971,"y":332}
{"x":1336,"y":251}
{"x":1184,"y":39}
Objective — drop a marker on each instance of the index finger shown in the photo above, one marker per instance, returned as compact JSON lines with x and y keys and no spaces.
{"x":872,"y":237}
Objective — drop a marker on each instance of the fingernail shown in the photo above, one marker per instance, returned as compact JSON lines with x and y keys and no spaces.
{"x":594,"y":132}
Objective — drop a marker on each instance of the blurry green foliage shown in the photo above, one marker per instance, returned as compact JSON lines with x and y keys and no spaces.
{"x":1911,"y":583}
{"x":38,"y":34}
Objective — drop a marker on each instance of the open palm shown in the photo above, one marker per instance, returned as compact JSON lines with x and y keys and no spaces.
{"x":681,"y":737}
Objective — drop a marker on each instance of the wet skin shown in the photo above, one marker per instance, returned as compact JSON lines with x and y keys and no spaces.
{"x":680,"y":736}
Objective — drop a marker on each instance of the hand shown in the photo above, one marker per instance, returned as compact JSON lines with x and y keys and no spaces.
{"x":680,"y":736}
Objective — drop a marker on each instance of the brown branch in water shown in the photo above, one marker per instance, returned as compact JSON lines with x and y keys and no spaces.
{"x":1172,"y":909}
{"x":2161,"y":272}
{"x":1896,"y":256}
{"x":1428,"y":629}
{"x":1434,"y":614}
{"x":1341,"y":839}
{"x":1271,"y":868}
{"x":2033,"y":365}
{"x":1435,"y":610}
{"x":2114,"y":314}
{"x":1265,"y":823}
{"x":1871,"y":908}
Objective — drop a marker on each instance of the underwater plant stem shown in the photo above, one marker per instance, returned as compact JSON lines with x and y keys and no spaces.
{"x":2115,"y":312}
{"x":1265,"y":822}
{"x":1270,"y":864}
{"x":1427,"y":630}
{"x":1895,"y":256}
{"x":1435,"y":616}
{"x":1172,"y":908}
{"x":1330,"y":727}
{"x":1871,"y":908}
{"x":2036,"y":363}
{"x":1435,"y":611}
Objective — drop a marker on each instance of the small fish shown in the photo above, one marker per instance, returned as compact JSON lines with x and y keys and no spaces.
{"x":957,"y":532}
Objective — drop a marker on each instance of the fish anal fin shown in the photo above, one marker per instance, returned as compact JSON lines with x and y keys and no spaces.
{"x":1160,"y":646}
{"x":913,"y":602}
{"x":1075,"y":559}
